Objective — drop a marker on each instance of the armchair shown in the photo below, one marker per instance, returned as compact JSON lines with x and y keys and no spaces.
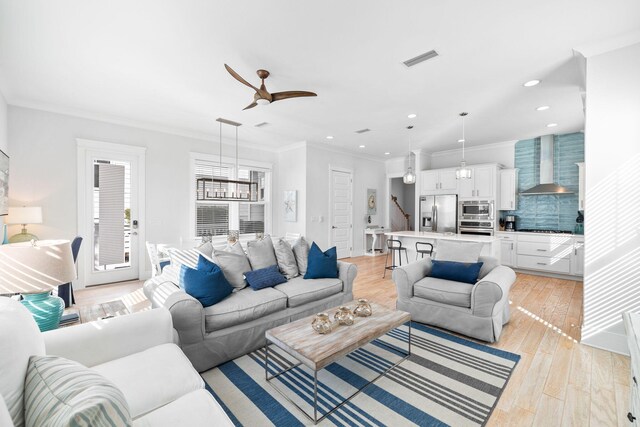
{"x":478,"y":311}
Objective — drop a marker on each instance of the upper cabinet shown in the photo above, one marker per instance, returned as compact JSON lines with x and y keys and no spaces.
{"x":439,"y":181}
{"x":581,"y":184}
{"x":508,"y":190}
{"x":482,"y":184}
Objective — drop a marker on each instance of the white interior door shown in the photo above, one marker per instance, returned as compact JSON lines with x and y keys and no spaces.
{"x":109,"y":214}
{"x":340,"y":215}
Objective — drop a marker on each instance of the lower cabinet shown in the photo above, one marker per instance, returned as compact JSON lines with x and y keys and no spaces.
{"x":508,"y":250}
{"x":577,"y":262}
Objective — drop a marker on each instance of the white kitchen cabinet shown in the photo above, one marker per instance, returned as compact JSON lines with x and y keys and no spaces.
{"x":577,"y":261}
{"x":481,"y":185}
{"x":438,"y":181}
{"x":508,"y":244}
{"x":448,"y":181}
{"x":429,"y":181}
{"x":581,"y":185}
{"x":550,"y":253}
{"x":508,"y":190}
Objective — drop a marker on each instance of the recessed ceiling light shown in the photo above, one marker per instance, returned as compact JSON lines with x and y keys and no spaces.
{"x":361,"y":146}
{"x":552,"y":125}
{"x":412,"y":116}
{"x":329,"y":137}
{"x":531,"y":83}
{"x":461,"y":140}
{"x":542,"y":108}
{"x":386,"y":153}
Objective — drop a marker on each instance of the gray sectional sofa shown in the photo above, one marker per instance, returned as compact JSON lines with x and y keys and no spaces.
{"x":236,"y":325}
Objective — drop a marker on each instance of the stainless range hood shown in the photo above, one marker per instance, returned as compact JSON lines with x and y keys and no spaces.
{"x":546,"y":186}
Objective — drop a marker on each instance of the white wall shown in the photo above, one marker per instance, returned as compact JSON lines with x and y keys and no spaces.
{"x":292,"y":165}
{"x":43,"y":170}
{"x":502,"y":152}
{"x":366,"y":174}
{"x":4,"y":135}
{"x":612,"y":230}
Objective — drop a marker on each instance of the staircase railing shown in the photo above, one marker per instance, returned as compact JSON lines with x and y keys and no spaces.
{"x":394,"y":199}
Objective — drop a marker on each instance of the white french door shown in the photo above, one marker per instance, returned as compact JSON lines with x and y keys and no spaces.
{"x":340,"y":213}
{"x":110,"y":212}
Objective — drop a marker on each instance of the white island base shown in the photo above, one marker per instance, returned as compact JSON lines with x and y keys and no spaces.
{"x":491,"y":244}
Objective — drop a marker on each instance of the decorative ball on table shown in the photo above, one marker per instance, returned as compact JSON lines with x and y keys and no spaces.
{"x":33,"y":269}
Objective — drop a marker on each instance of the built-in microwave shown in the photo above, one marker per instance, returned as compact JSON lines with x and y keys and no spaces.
{"x":476,"y":209}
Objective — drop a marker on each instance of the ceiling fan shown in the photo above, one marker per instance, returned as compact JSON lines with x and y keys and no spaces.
{"x":262,"y":96}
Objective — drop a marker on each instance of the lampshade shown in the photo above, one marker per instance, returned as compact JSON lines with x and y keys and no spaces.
{"x":28,"y":268}
{"x":25,"y":215}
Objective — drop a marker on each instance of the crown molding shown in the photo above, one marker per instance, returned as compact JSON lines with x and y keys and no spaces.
{"x":290,"y":147}
{"x":607,"y":45}
{"x":137,"y":124}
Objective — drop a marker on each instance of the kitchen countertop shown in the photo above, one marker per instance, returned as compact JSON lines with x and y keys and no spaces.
{"x":540,"y":234}
{"x":442,"y":236}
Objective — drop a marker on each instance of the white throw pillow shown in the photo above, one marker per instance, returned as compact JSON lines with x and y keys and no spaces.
{"x":286,"y":258}
{"x":301,"y":252}
{"x":61,"y":392}
{"x":261,"y":253}
{"x":450,"y":250}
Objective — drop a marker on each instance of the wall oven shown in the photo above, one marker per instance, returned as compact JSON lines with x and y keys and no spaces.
{"x":478,"y":228}
{"x":476,"y":210}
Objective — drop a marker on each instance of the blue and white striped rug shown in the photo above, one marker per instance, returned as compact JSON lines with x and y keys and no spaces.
{"x":446,"y":381}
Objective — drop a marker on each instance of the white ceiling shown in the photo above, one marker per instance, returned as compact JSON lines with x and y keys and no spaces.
{"x":160,"y":64}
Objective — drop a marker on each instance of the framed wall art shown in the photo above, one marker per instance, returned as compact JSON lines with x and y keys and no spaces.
{"x":372,"y":202}
{"x":290,"y":205}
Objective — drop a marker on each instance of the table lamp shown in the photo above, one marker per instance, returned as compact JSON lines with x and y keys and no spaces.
{"x":24,"y":215}
{"x":33,"y":269}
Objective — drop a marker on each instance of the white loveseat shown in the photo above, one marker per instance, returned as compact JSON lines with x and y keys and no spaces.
{"x":136,"y":352}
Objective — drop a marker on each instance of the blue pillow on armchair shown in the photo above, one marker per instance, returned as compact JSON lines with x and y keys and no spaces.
{"x":456,"y":271}
{"x":322,"y":264}
{"x":208,"y":285}
{"x":266,"y":277}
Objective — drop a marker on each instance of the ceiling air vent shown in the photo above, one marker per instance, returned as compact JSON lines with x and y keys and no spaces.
{"x":365,"y":130}
{"x":259,"y":125}
{"x":420,"y":58}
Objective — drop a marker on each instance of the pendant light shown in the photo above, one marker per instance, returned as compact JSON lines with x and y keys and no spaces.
{"x":409,"y":176}
{"x":463,"y":172}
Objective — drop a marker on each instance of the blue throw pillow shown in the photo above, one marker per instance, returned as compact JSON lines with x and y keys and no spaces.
{"x":266,"y":277}
{"x":456,"y":271}
{"x":322,"y":264}
{"x":208,"y":287}
{"x":206,"y":265}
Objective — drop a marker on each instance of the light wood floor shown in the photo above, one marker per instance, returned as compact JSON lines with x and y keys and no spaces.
{"x":558,"y":381}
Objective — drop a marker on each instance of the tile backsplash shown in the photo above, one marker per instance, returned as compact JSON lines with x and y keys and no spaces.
{"x":557,"y":212}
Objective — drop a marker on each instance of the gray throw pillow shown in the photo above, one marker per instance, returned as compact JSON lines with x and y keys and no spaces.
{"x":206,"y":249}
{"x":261,"y":253}
{"x":301,"y":252}
{"x":235,"y":248}
{"x":286,"y":258}
{"x":233,"y":267}
{"x":450,"y":250}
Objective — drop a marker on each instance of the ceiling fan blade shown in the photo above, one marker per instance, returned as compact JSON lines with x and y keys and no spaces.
{"x":277,"y":96}
{"x":253,"y":104}
{"x":239,"y":78}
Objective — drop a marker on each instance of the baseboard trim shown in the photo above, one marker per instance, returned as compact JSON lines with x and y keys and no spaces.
{"x":608,"y":341}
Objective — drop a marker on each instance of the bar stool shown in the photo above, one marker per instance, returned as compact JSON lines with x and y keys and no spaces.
{"x":394,"y":246}
{"x":424,"y":251}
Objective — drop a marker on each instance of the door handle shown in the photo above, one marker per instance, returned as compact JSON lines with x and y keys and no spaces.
{"x":541,"y":250}
{"x":333,"y":226}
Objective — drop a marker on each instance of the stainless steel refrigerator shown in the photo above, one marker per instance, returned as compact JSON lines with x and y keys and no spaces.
{"x":439,"y":213}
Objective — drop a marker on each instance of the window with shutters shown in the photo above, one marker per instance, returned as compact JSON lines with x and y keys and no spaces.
{"x":216,"y":217}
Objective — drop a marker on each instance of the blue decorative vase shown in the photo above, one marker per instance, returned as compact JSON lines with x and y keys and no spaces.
{"x":45,"y":308}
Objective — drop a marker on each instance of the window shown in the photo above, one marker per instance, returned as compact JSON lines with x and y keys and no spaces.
{"x":214,"y":217}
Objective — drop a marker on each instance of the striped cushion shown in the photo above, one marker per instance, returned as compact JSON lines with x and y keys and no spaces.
{"x":188,"y":257}
{"x":60,"y":392}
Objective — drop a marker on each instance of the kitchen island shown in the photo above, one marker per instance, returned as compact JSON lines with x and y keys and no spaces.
{"x":491,"y":244}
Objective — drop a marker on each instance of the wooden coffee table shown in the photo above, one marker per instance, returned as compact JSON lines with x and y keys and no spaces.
{"x":316,"y":351}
